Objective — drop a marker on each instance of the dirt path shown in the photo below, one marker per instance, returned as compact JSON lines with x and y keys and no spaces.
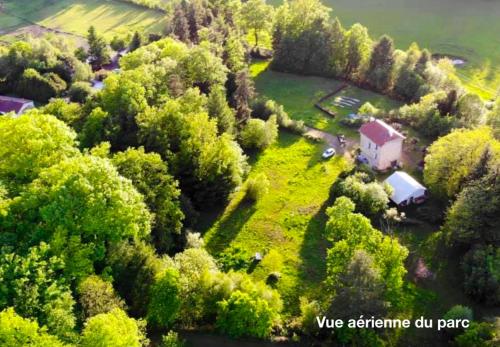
{"x":332,"y":141}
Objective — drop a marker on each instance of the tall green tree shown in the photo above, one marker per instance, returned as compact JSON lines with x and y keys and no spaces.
{"x":381,"y":66}
{"x":98,"y":48}
{"x":150,"y":176}
{"x":31,"y":143}
{"x":79,"y":206}
{"x":358,"y":50}
{"x":113,"y":329}
{"x":256,"y":16}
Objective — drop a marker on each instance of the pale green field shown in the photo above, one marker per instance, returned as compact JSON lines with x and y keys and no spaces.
{"x":75,"y":16}
{"x":465,"y":28}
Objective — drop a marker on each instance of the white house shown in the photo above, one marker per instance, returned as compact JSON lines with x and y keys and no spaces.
{"x":406,"y":189}
{"x":381,"y":144}
{"x":17,"y":105}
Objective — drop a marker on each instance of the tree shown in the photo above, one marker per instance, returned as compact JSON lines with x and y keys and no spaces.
{"x":135,"y":268}
{"x":244,"y":92}
{"x":358,"y":50}
{"x":473,"y":217}
{"x":165,"y":301}
{"x":33,"y":284}
{"x":471,"y":111}
{"x":150,"y":176}
{"x":348,"y":232}
{"x":18,"y":331}
{"x":81,"y":206}
{"x":70,"y":113}
{"x":371,"y":198}
{"x":123,"y":98}
{"x":219,"y":109}
{"x":39,"y":87}
{"x":256,"y":16}
{"x":478,"y":335}
{"x":451,"y":158}
{"x":360,"y":290}
{"x":113,"y":329}
{"x":242,"y":315}
{"x":259,"y":134}
{"x":481,"y":277}
{"x":94,"y":128}
{"x":79,"y":92}
{"x":136,"y":42}
{"x":180,"y":24}
{"x":97,"y":296}
{"x":381,"y":67}
{"x":98,"y":48}
{"x":31,"y":143}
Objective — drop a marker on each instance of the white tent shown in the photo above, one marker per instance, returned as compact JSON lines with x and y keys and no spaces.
{"x":406,"y":189}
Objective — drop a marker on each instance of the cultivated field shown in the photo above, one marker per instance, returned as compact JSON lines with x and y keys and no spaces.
{"x":465,"y":28}
{"x":75,"y":16}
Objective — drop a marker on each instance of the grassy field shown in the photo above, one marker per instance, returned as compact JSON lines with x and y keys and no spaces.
{"x":465,"y":28}
{"x":75,"y":16}
{"x":299,"y":93}
{"x":287,"y":223}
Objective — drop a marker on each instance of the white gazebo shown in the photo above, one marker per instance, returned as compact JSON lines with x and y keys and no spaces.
{"x":406,"y":189}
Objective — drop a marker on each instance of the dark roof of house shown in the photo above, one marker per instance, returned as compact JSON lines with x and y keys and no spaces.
{"x":11,"y":104}
{"x":379,"y":132}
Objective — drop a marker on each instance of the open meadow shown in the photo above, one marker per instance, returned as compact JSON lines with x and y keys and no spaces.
{"x":75,"y":16}
{"x":288,"y":222}
{"x":463,"y":28}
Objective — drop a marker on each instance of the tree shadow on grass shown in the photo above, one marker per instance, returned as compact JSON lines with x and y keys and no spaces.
{"x":314,"y":246}
{"x":230,"y":225}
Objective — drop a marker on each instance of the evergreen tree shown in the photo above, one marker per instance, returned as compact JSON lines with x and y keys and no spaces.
{"x":136,"y":42}
{"x":380,"y":69}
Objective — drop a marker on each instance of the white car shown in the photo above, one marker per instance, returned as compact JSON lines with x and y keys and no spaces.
{"x":328,"y":153}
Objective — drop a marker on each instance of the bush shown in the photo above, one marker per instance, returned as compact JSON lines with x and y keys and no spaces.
{"x":458,"y":312}
{"x":477,"y":335}
{"x":265,"y":109}
{"x":172,"y":340}
{"x":235,"y":258}
{"x":79,"y":92}
{"x":259,"y":134}
{"x":256,"y":187}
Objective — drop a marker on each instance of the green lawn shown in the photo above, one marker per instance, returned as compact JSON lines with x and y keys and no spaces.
{"x":287,"y":223}
{"x":75,"y":16}
{"x":466,"y":28}
{"x":299,"y":93}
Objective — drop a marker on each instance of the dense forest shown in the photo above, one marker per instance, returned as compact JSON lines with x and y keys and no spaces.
{"x":101,"y":190}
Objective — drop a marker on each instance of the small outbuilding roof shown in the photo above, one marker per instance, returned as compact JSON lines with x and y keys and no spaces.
{"x":404,"y":187}
{"x":380,"y":132}
{"x":11,"y":104}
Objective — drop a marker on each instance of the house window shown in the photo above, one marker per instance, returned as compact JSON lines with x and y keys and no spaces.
{"x":376,"y":147}
{"x":375,"y":155}
{"x":369,"y":145}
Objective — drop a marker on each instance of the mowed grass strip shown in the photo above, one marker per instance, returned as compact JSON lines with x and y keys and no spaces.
{"x":75,"y":16}
{"x":287,"y":224}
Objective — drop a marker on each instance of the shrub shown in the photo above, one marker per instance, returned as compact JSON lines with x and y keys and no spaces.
{"x":172,"y":339}
{"x":33,"y":85}
{"x":235,"y":258}
{"x":259,"y":134}
{"x":477,"y":335}
{"x":256,"y":187}
{"x":79,"y":92}
{"x":481,"y":269}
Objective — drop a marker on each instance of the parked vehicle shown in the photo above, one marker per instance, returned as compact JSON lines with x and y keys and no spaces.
{"x":328,"y":153}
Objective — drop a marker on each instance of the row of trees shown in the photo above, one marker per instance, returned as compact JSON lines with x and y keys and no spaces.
{"x":463,"y":168}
